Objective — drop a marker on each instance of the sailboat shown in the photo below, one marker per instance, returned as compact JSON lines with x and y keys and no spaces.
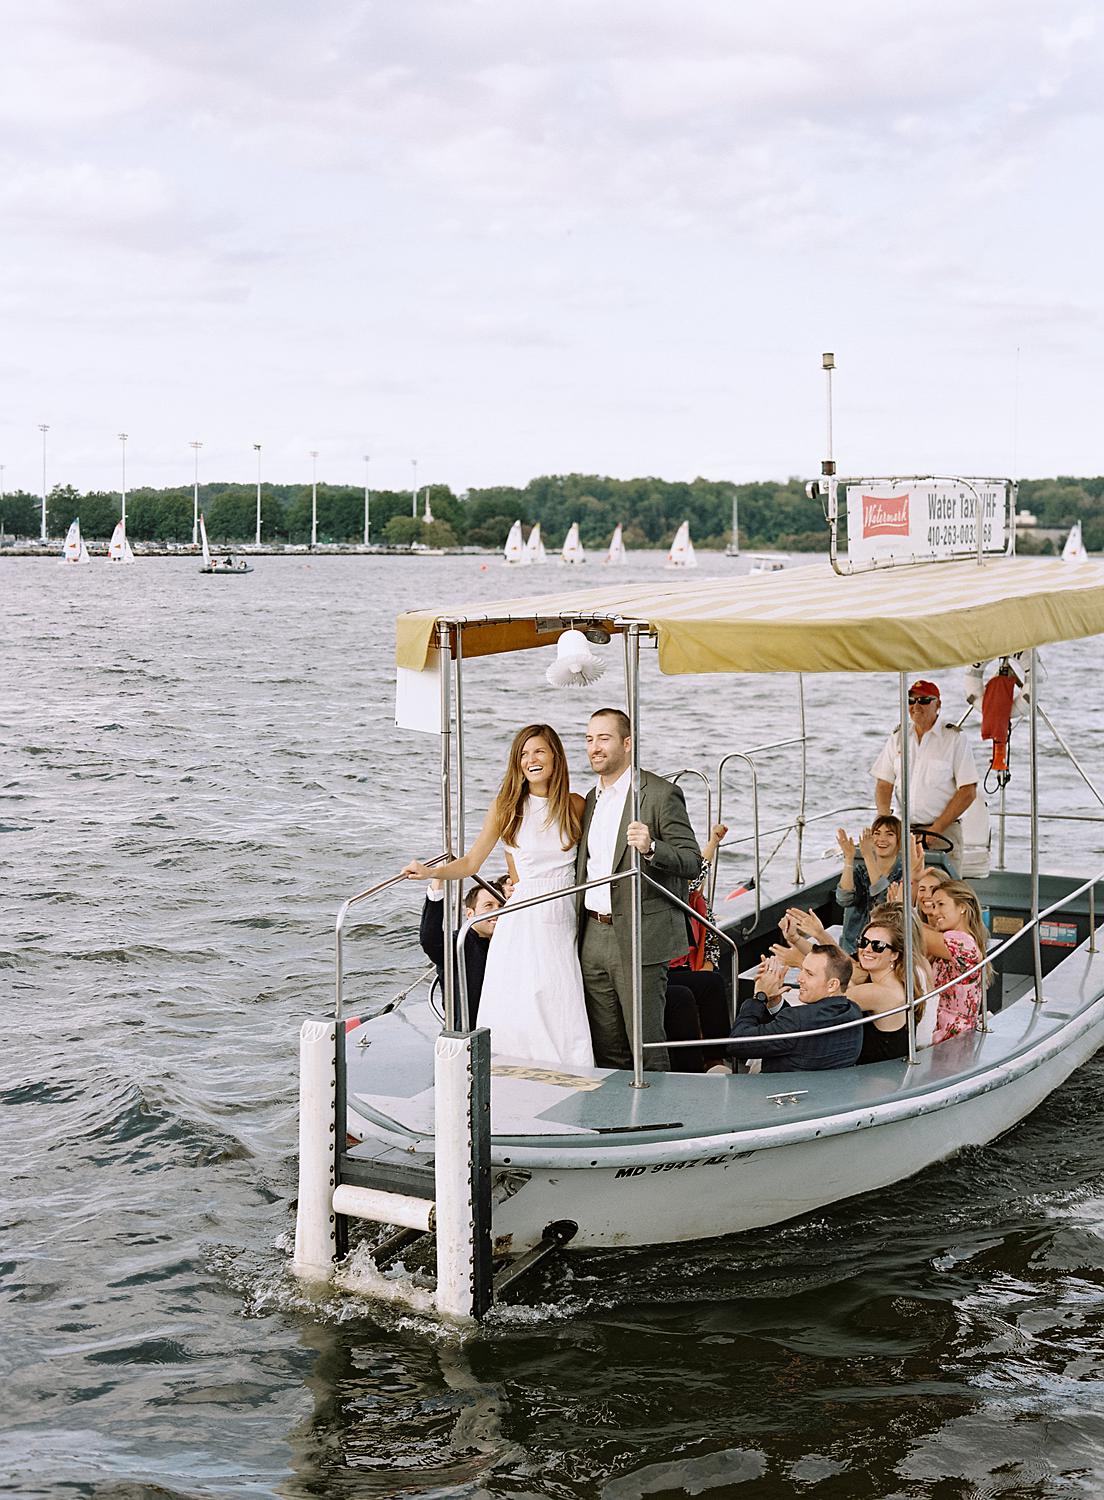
{"x":534,"y":547}
{"x":1075,"y":550}
{"x":228,"y":565}
{"x":514,"y":554}
{"x":681,"y":554}
{"x":616,"y":554}
{"x":118,"y":550}
{"x":573,"y":551}
{"x":75,"y":549}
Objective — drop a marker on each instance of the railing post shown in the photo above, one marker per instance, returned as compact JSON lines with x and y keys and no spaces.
{"x":1033,"y":722}
{"x":799,"y":826}
{"x":632,"y":685}
{"x":315,"y":1221}
{"x":906,"y":864}
{"x":448,"y":915}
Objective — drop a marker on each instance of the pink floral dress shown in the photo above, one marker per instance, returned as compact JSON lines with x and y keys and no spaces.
{"x":959,"y":1005}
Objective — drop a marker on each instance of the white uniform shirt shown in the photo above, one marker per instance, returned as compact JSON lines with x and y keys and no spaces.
{"x":939,"y":764}
{"x":602,"y":839}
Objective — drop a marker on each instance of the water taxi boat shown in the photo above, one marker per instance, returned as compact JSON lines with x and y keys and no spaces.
{"x":598,"y":1158}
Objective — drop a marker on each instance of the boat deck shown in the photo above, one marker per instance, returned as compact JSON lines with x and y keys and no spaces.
{"x":538,"y":1112}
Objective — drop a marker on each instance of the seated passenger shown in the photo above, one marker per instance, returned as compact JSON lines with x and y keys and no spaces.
{"x":431,"y":933}
{"x":785,"y":1035}
{"x":866,"y":873}
{"x":878,"y":985}
{"x":696,"y":977}
{"x":955,"y":942}
{"x":925,"y":885}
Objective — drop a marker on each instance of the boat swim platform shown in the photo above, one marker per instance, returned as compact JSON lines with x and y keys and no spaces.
{"x":581,"y":1118}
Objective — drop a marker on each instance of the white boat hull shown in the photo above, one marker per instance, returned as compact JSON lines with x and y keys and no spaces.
{"x":690,"y":1190}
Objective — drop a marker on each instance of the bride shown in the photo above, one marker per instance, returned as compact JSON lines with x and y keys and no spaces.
{"x":533,"y":988}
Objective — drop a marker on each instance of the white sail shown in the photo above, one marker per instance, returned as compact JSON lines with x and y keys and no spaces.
{"x":681,"y":554}
{"x":1074,"y":550}
{"x":75,"y":549}
{"x":616,"y":553}
{"x":534,"y":547}
{"x":514,"y":553}
{"x":119,"y":549}
{"x":573,"y":550}
{"x":203,"y":541}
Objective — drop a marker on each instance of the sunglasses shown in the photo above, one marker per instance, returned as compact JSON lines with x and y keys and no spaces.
{"x":920,"y":698}
{"x":876,"y":945}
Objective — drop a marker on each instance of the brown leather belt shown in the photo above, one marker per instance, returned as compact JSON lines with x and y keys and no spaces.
{"x":599,"y":916}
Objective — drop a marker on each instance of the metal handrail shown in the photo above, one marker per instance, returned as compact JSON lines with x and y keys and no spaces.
{"x":339,"y":927}
{"x":571,"y":890}
{"x":693,"y":771}
{"x":987,"y":957}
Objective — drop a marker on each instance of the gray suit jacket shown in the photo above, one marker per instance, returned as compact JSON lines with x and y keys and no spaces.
{"x":664,"y":932}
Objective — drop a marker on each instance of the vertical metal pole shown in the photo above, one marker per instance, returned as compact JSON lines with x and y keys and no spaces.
{"x":257,"y":536}
{"x":195,"y":447}
{"x":1036,"y":947}
{"x":1092,"y":918}
{"x":632,"y":693}
{"x":44,"y":428}
{"x":367,"y":502}
{"x":123,"y":440}
{"x":906,"y":863}
{"x":1003,"y":825}
{"x":799,"y":826}
{"x":461,"y":819}
{"x":449,"y":912}
{"x":314,"y":497}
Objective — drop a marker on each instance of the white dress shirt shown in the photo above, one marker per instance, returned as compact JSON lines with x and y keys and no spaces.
{"x":939,"y":764}
{"x":602,"y":839}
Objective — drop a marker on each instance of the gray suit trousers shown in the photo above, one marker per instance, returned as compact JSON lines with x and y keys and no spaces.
{"x":608,"y":987}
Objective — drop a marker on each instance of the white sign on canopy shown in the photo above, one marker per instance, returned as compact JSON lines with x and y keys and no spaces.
{"x":924,"y":518}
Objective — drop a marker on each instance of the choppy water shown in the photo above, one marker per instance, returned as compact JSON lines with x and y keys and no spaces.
{"x":194,"y":773}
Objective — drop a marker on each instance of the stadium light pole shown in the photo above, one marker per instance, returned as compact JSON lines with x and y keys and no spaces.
{"x":123,"y":440}
{"x":195,"y":447}
{"x":257,"y":538}
{"x":414,"y":491}
{"x":314,"y":497}
{"x":367,"y":501}
{"x":44,"y":428}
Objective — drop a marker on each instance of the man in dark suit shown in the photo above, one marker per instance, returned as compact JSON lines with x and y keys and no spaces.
{"x":787,"y":1036}
{"x":669,"y":853}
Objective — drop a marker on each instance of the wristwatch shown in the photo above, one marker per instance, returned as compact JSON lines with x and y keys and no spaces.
{"x":651,"y":850}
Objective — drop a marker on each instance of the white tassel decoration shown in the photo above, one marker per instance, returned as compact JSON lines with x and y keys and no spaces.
{"x":576,"y":664}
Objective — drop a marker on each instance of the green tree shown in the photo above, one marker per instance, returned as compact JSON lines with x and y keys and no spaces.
{"x":20,"y":514}
{"x":400,"y":531}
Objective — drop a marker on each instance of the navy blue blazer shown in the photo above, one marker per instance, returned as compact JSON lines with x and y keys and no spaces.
{"x":787,"y":1041}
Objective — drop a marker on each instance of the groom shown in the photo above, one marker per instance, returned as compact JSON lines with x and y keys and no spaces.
{"x":669,"y":853}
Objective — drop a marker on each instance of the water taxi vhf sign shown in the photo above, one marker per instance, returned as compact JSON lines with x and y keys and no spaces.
{"x":924,"y":518}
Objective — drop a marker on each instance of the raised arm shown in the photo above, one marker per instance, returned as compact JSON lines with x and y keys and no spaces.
{"x":467,"y":865}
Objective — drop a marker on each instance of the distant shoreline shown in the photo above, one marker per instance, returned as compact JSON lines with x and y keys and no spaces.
{"x":53,"y":550}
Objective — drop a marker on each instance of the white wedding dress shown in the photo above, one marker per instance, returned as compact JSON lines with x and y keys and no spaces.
{"x":533,"y":989}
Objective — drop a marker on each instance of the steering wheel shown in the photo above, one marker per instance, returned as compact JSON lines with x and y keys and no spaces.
{"x":943,"y":845}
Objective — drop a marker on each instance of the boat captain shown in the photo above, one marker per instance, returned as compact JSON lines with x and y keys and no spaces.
{"x":942,"y":774}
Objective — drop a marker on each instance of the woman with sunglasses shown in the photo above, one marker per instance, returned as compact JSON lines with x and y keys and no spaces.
{"x":878,"y":983}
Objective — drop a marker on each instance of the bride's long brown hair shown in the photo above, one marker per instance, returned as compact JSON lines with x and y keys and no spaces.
{"x":509,"y":805}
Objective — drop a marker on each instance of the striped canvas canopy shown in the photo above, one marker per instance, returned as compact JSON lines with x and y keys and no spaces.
{"x":804,"y":619}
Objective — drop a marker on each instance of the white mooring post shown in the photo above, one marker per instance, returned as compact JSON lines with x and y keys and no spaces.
{"x":462,"y":1170}
{"x":315,"y":1221}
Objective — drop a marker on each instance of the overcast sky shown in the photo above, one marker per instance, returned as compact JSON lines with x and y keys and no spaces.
{"x":514,"y":237}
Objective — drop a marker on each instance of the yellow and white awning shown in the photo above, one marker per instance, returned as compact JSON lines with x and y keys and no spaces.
{"x":803,"y":619}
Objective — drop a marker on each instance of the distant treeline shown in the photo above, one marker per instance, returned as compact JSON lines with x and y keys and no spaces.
{"x":773,"y":515}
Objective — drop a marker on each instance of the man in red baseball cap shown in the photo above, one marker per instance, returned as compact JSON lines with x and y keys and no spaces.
{"x":942,"y":774}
